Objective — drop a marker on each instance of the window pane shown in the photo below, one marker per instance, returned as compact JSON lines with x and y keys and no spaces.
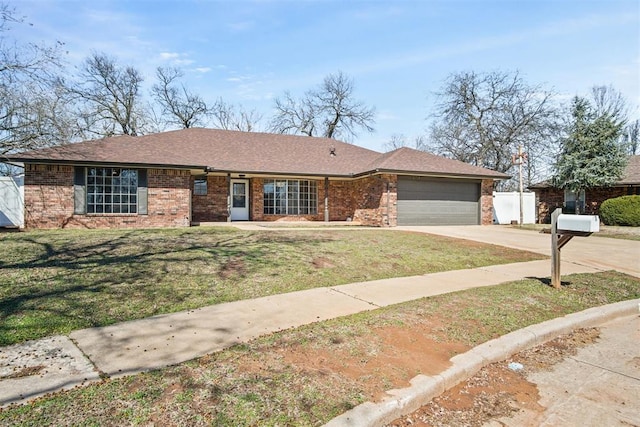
{"x":200,"y":187}
{"x":292,"y":197}
{"x":109,"y":190}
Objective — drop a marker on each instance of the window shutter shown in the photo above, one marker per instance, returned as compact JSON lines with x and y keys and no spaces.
{"x":142,"y":192}
{"x":79,"y":191}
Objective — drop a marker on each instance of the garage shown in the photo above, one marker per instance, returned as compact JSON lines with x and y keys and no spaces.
{"x":436,"y":201}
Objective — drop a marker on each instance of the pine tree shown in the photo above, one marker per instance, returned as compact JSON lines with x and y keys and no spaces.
{"x":591,"y":155}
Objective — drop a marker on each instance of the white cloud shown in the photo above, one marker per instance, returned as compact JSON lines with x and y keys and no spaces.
{"x":169,"y":55}
{"x":202,"y":69}
{"x":176,"y":59}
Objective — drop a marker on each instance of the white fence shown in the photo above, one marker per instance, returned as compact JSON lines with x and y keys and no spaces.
{"x":12,"y":201}
{"x":506,"y":208}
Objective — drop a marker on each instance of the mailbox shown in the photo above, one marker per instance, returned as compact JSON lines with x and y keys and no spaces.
{"x":583,"y":223}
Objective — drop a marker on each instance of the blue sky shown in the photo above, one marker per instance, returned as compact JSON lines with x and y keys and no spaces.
{"x":397,"y":52}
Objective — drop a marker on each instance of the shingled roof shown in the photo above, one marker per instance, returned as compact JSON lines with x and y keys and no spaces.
{"x":251,"y":153}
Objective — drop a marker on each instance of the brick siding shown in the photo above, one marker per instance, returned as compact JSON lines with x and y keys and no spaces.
{"x":211,"y":207}
{"x":549,"y":199}
{"x":49,"y":200}
{"x":372,"y":200}
{"x":486,"y":202}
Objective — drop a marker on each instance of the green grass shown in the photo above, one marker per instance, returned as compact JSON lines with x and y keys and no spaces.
{"x":54,"y":282}
{"x":255,"y":384}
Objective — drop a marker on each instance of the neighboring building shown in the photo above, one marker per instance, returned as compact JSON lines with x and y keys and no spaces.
{"x":191,"y":176}
{"x":589,"y":201}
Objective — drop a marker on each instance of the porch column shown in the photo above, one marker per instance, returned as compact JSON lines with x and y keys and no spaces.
{"x":228,"y":197}
{"x":326,"y":199}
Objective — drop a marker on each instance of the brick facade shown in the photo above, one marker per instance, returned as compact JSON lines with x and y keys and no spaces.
{"x":549,"y":199}
{"x":486,"y":202}
{"x":371,"y":200}
{"x":211,"y":207}
{"x":49,"y":200}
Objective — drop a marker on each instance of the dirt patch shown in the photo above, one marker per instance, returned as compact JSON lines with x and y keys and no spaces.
{"x":321,"y":262}
{"x":233,"y":267}
{"x":387,"y":358}
{"x":497,"y":391}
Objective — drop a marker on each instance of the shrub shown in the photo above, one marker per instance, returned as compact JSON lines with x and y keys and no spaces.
{"x":623,"y":210}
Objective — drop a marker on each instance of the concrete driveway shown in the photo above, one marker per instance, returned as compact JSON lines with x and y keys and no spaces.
{"x":598,"y":252}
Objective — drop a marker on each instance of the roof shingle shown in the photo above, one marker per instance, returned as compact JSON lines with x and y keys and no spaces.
{"x":251,"y":152}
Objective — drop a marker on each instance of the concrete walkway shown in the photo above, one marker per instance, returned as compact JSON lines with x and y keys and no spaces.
{"x":141,"y":345}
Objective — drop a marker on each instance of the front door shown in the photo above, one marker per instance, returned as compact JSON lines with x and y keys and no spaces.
{"x":239,"y":199}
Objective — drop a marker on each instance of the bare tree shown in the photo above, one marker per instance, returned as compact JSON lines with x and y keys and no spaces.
{"x":482,"y":119}
{"x":179,"y":106}
{"x":610,"y":102}
{"x":110,"y":97}
{"x":329,"y":111}
{"x":399,"y":140}
{"x":33,"y":113}
{"x":295,"y":116}
{"x":631,"y":136}
{"x":231,"y":117}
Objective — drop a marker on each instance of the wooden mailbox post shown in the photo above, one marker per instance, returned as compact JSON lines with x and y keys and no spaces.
{"x":563,"y":229}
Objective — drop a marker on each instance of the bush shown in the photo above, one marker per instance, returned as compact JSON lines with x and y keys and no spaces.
{"x":623,"y":210}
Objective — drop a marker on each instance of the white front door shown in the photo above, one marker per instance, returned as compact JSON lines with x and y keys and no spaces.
{"x":239,"y":199}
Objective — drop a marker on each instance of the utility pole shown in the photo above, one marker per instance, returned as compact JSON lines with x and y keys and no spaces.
{"x":519,"y":159}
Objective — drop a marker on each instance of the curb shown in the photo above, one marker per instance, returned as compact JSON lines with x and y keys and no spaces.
{"x":463,"y":366}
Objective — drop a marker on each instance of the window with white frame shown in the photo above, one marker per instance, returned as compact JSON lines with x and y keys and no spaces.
{"x":112,"y":190}
{"x":290,"y":197}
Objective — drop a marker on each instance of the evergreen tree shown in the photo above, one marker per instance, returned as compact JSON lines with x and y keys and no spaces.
{"x":591,"y":155}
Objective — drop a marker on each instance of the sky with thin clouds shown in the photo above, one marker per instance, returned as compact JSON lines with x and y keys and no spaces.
{"x":398,"y":52}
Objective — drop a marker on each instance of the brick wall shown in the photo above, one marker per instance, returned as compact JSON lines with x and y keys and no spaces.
{"x":48,"y":196}
{"x":369,"y":201}
{"x":549,"y":199}
{"x":486,"y":202}
{"x":211,"y":207}
{"x":49,"y":201}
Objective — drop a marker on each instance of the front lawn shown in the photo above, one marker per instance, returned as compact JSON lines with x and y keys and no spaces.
{"x":53,"y":282}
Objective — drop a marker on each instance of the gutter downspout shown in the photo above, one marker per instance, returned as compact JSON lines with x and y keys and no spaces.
{"x":228,"y":197}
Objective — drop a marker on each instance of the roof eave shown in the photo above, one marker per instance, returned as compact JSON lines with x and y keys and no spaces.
{"x":433,"y":174}
{"x":279,"y":173}
{"x":105,"y":163}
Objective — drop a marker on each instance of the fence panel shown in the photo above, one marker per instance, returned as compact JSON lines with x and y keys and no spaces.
{"x":506,"y":207}
{"x":12,"y":201}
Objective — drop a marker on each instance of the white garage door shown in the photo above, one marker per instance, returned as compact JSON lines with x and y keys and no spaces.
{"x":432,"y":201}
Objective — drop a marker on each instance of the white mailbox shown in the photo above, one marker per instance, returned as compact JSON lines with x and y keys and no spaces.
{"x":584,"y":223}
